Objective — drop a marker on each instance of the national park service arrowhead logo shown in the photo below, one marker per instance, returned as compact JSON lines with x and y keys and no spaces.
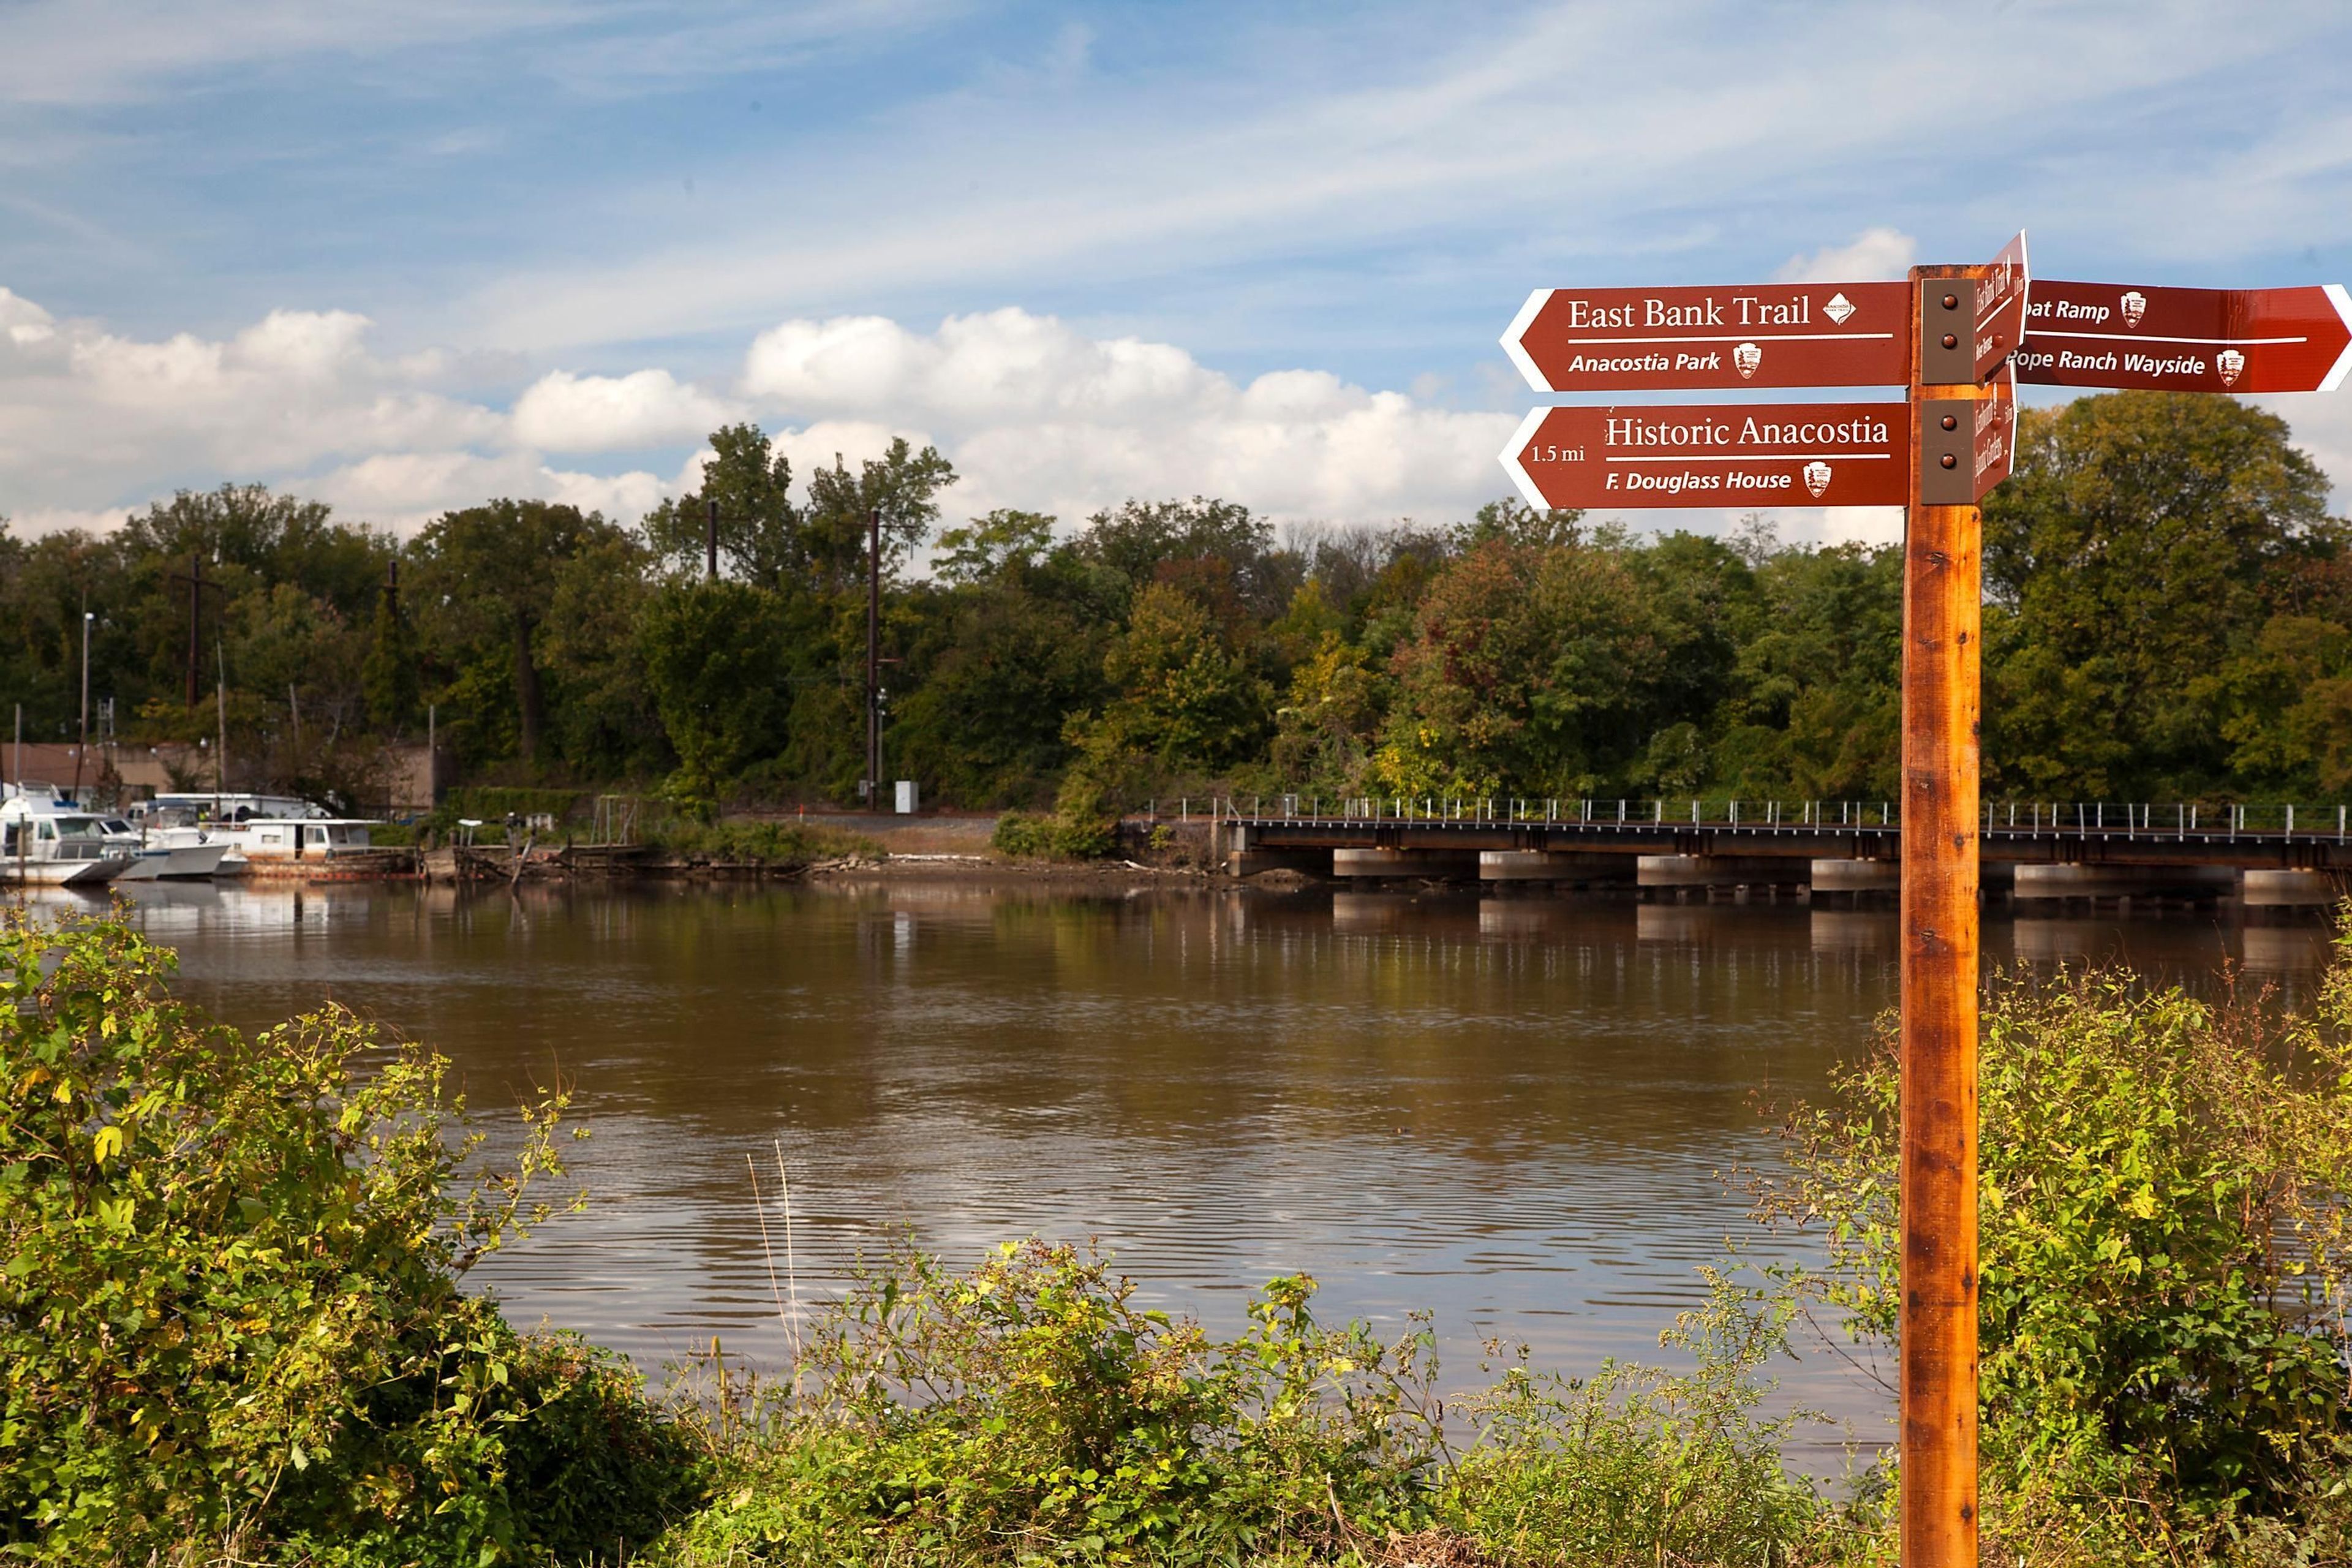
{"x":1817,"y":477}
{"x":1838,"y":309}
{"x":1746,"y":358}
{"x":2135,"y":305}
{"x":2231,"y":364}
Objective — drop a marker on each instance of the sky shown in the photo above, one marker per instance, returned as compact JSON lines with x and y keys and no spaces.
{"x":407,"y":256}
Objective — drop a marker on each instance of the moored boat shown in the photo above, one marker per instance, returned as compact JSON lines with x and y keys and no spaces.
{"x":161,"y":850}
{"x":47,"y":841}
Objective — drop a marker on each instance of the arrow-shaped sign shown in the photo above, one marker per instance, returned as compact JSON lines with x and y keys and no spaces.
{"x":1747,"y":454}
{"x":2001,"y":310}
{"x":2186,"y":339}
{"x":1745,"y":334}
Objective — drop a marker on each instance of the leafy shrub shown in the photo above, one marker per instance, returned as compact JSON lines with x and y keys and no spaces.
{"x":2163,"y":1256}
{"x":1032,"y":1409}
{"x":1086,"y":818}
{"x":1637,"y":1466}
{"x":230,"y":1311}
{"x":1022,"y":835}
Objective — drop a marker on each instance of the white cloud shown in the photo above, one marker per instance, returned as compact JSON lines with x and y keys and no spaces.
{"x":565,"y":412}
{"x":2322,"y":426}
{"x":410,"y":489}
{"x":1032,"y":412}
{"x":27,"y":323}
{"x":1875,"y":255}
{"x":93,"y":421}
{"x":1035,"y":413}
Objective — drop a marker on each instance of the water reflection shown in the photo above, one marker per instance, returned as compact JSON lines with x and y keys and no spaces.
{"x":1517,"y":1110}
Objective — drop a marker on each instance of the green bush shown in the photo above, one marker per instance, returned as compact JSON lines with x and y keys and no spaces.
{"x":230,"y":1313}
{"x":1638,"y":1466}
{"x":1031,"y":1410}
{"x":1086,"y":818}
{"x":1023,"y":835}
{"x":2164,"y":1250}
{"x":1082,"y":828}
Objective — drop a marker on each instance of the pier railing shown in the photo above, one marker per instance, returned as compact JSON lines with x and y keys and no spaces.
{"x":2121,"y":820}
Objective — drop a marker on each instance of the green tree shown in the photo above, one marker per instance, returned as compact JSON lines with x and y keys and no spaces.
{"x":900,"y":489}
{"x":715,"y":658}
{"x":491,"y":573}
{"x":603,"y":716}
{"x":983,"y":723}
{"x":1183,"y":699}
{"x":1003,"y":544}
{"x":1810,"y":703}
{"x":1329,"y":720}
{"x":1548,"y":669}
{"x":390,"y":676}
{"x":1143,"y":542}
{"x":2134,"y":552}
{"x":760,"y":529}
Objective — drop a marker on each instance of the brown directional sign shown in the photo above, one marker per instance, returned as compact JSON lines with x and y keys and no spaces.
{"x":1994,"y":451}
{"x":2002,"y":306}
{"x":1970,"y":319}
{"x":2137,"y":336}
{"x":1967,"y":444}
{"x":1757,"y":334}
{"x":1742,"y":455}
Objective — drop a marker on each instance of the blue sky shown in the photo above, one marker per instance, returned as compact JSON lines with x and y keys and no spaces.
{"x":407,"y":255}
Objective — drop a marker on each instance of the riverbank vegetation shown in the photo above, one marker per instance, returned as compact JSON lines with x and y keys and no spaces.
{"x":2170,"y":617}
{"x":235,"y":1324}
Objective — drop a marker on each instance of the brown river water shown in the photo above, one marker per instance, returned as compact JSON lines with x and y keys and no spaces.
{"x":1523,"y":1114}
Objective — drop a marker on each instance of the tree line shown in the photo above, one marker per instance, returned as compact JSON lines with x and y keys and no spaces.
{"x":2169,"y":616}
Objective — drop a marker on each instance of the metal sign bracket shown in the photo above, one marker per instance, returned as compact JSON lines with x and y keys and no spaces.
{"x":1947,"y":320}
{"x":1947,"y":452}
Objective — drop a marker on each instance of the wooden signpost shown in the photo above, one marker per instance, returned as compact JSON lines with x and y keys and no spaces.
{"x":1959,"y":340}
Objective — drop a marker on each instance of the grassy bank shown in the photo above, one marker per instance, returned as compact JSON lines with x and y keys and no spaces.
{"x":234,"y":1328}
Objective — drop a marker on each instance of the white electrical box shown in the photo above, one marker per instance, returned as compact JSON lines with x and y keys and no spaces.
{"x":906,"y":797}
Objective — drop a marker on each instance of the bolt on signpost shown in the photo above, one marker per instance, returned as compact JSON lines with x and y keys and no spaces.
{"x":1959,"y":339}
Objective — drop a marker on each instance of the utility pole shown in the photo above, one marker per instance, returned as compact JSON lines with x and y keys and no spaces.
{"x":220,"y":711}
{"x":195,"y":579}
{"x":874,"y":658}
{"x":711,"y":543}
{"x":82,"y":753}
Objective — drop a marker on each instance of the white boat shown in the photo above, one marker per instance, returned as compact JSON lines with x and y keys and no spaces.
{"x":161,"y":849}
{"x":219,"y":819}
{"x":309,"y":840}
{"x":51,"y":842}
{"x":265,"y":835}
